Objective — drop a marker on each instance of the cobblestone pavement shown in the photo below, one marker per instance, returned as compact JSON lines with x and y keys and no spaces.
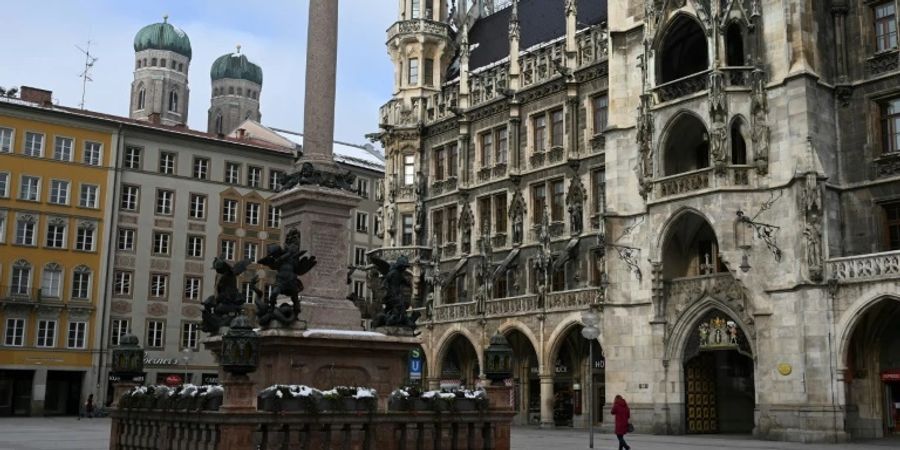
{"x":67,"y":433}
{"x":527,"y":438}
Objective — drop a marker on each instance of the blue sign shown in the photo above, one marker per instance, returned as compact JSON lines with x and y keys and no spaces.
{"x":415,"y":365}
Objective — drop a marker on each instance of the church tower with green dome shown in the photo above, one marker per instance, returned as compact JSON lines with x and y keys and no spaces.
{"x":236,"y":86}
{"x":160,"y":93}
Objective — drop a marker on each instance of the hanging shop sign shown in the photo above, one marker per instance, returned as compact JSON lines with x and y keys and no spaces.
{"x":891,"y":375}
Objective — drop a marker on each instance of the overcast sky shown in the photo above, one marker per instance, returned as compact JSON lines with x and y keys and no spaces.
{"x":41,"y":36}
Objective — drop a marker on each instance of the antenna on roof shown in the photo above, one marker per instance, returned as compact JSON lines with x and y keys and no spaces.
{"x":85,"y":75}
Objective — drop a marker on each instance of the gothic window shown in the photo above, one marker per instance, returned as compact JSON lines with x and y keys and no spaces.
{"x":598,"y":191}
{"x":451,"y":224}
{"x":683,"y":51}
{"x":540,"y":133}
{"x":500,"y":213}
{"x":415,"y":9}
{"x":452,"y":157}
{"x":556,"y":128}
{"x":231,"y":90}
{"x":892,"y":222}
{"x":429,"y":72}
{"x":173,"y":101}
{"x":487,"y":148}
{"x":557,"y":200}
{"x":734,"y":46}
{"x":439,"y":163}
{"x":538,"y":202}
{"x":600,"y":105}
{"x":890,"y":113}
{"x":142,"y":97}
{"x":162,"y":63}
{"x":687,"y":145}
{"x":153,"y":62}
{"x":502,"y":144}
{"x":407,"y":237}
{"x":885,"y":26}
{"x":738,"y":144}
{"x":413,"y":72}
{"x":219,"y":123}
{"x":409,"y":170}
{"x":437,"y":224}
{"x":690,"y":248}
{"x":484,"y":213}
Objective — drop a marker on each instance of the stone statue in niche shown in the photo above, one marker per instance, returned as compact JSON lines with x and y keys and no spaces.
{"x":395,"y":301}
{"x":227,"y":303}
{"x":289,"y":263}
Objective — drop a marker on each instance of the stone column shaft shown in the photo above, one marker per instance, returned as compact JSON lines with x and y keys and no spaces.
{"x":547,"y":401}
{"x":321,"y":73}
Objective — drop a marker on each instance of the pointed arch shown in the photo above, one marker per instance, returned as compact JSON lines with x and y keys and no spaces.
{"x":218,"y":125}
{"x":685,"y":144}
{"x":738,"y":139}
{"x":683,"y":49}
{"x":514,"y":325}
{"x":850,"y":320}
{"x":443,"y":345}
{"x":686,"y":324}
{"x":735,"y":48}
{"x":141,"y":96}
{"x":558,"y":337}
{"x":173,"y":101}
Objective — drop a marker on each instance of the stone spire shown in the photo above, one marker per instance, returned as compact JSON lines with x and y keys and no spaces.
{"x":515,"y":33}
{"x":464,"y":52}
{"x":571,"y":29}
{"x":321,"y":73}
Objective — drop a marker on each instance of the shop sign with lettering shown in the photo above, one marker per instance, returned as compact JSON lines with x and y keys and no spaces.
{"x":151,"y":361}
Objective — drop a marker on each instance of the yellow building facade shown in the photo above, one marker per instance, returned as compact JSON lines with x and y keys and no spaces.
{"x":56,"y":179}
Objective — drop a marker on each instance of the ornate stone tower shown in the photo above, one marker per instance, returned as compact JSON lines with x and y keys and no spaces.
{"x":421,"y":48}
{"x":236,"y":86}
{"x":160,"y":90}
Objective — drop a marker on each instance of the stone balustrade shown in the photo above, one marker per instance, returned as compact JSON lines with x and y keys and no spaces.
{"x":455,"y":312}
{"x":411,"y":28}
{"x":574,"y":299}
{"x":702,"y":179}
{"x":683,"y":86}
{"x":865,"y":267}
{"x":737,"y":76}
{"x":412,"y":253}
{"x":883,"y":62}
{"x":693,"y":288}
{"x":214,"y":430}
{"x":512,"y":306}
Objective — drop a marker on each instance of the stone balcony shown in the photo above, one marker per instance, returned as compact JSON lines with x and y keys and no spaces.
{"x":411,"y":29}
{"x":412,"y":253}
{"x":735,"y":77}
{"x":862,"y":268}
{"x":570,"y":300}
{"x":883,"y":62}
{"x":701,"y":180}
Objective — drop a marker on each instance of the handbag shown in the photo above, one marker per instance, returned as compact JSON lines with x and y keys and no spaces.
{"x":630,"y":428}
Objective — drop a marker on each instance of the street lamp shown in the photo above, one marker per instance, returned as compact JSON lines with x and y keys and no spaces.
{"x":591,"y":333}
{"x":186,"y":355}
{"x":240,"y":347}
{"x":498,"y":359}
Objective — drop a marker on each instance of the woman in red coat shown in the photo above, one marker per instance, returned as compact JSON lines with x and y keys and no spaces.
{"x":623,"y":414}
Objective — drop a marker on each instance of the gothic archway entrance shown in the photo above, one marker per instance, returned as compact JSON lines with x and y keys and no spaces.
{"x":719,"y":389}
{"x":526,"y":382}
{"x":873,"y":372}
{"x":571,"y":372}
{"x":459,"y":364}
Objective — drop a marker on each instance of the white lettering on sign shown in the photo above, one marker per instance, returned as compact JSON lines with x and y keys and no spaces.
{"x":149,"y":361}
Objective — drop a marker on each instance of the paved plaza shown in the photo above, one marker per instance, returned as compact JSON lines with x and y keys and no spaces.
{"x":67,"y":433}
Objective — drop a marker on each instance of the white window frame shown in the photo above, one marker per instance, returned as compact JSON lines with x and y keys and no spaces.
{"x":362,"y":218}
{"x":254,"y":176}
{"x":409,"y":170}
{"x":251,"y":214}
{"x":228,"y":249}
{"x":89,"y":196}
{"x":232,"y":173}
{"x":54,"y":290}
{"x":58,"y":231}
{"x":24,"y":270}
{"x":251,"y":251}
{"x":193,"y":287}
{"x":131,"y":198}
{"x":14,"y":333}
{"x":162,"y":243}
{"x":196,"y":245}
{"x":159,"y":285}
{"x":125,"y":239}
{"x":82,"y":277}
{"x":198,"y":206}
{"x":63,"y":148}
{"x":123,"y":283}
{"x":59,"y":192}
{"x":7,"y":138}
{"x":200,"y":168}
{"x":78,"y":332}
{"x":4,"y":184}
{"x":45,"y":337}
{"x":30,"y":222}
{"x":118,"y":328}
{"x":133,"y":158}
{"x":37,"y":188}
{"x":156,"y":333}
{"x":359,"y":256}
{"x":276,"y":179}
{"x":273,"y":219}
{"x":230,"y":209}
{"x":165,"y":202}
{"x":86,"y":237}
{"x":190,"y":335}
{"x":168,"y":163}
{"x":28,"y":146}
{"x":93,"y":153}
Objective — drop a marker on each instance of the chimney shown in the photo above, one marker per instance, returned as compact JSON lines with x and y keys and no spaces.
{"x":34,"y":95}
{"x":154,"y":118}
{"x":241,"y":133}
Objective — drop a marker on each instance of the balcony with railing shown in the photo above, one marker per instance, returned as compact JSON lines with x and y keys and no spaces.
{"x":512,"y":306}
{"x":412,"y":253}
{"x":572,"y":299}
{"x":682,"y":87}
{"x":455,"y":312}
{"x":415,"y":27}
{"x":701,"y":180}
{"x":883,"y":62}
{"x":861,"y":268}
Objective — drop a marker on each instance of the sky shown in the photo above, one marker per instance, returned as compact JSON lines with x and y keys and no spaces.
{"x":41,"y":38}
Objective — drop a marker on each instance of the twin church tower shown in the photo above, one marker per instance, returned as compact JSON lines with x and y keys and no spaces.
{"x":160,"y":92}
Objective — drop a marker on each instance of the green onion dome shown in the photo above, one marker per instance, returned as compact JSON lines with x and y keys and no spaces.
{"x":236,"y":66}
{"x":163,"y":36}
